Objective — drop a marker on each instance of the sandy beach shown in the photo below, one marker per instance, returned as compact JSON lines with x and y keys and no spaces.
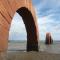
{"x":17,"y":55}
{"x":17,"y":51}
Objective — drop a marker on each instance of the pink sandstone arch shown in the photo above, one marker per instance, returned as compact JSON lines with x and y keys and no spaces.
{"x":26,"y":10}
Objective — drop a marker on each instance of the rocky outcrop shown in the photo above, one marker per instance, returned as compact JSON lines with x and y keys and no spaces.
{"x":49,"y":39}
{"x":26,"y":10}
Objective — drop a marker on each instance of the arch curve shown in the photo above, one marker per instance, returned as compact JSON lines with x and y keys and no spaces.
{"x":32,"y":38}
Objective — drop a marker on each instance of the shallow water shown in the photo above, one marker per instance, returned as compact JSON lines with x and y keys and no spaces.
{"x":21,"y":46}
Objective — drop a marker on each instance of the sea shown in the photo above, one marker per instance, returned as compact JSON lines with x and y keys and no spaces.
{"x":18,"y":45}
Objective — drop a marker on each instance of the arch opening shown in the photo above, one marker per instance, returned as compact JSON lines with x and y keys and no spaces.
{"x":17,"y":34}
{"x":32,"y":40}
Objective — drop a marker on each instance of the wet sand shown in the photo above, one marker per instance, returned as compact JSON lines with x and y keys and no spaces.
{"x":21,"y":46}
{"x":17,"y":55}
{"x":17,"y":51}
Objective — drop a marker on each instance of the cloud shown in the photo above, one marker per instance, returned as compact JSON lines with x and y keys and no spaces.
{"x":48,"y":24}
{"x":17,"y":29}
{"x":47,"y":7}
{"x":48,"y":13}
{"x":17,"y":36}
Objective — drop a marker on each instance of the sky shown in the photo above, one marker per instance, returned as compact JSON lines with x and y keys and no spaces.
{"x":48,"y":18}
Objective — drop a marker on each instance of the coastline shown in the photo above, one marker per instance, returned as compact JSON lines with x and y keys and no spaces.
{"x":17,"y":55}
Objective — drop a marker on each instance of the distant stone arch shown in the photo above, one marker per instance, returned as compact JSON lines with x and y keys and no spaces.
{"x":48,"y":39}
{"x":28,"y":15}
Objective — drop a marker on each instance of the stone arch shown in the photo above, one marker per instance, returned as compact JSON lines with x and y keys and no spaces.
{"x":7,"y":10}
{"x":32,"y":42}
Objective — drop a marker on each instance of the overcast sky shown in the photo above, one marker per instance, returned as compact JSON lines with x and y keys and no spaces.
{"x":48,"y":17}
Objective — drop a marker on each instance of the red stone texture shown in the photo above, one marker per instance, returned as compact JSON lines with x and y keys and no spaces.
{"x":7,"y":11}
{"x":49,"y":39}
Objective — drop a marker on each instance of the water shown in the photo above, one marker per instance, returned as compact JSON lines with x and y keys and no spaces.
{"x":21,"y":46}
{"x":54,"y":48}
{"x":17,"y":46}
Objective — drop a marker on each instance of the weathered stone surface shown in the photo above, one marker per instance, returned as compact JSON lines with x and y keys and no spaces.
{"x":7,"y":10}
{"x":3,"y":39}
{"x":3,"y":22}
{"x":28,"y":19}
{"x":49,"y":39}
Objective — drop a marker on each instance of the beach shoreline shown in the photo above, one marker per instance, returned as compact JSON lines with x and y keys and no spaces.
{"x":32,"y":55}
